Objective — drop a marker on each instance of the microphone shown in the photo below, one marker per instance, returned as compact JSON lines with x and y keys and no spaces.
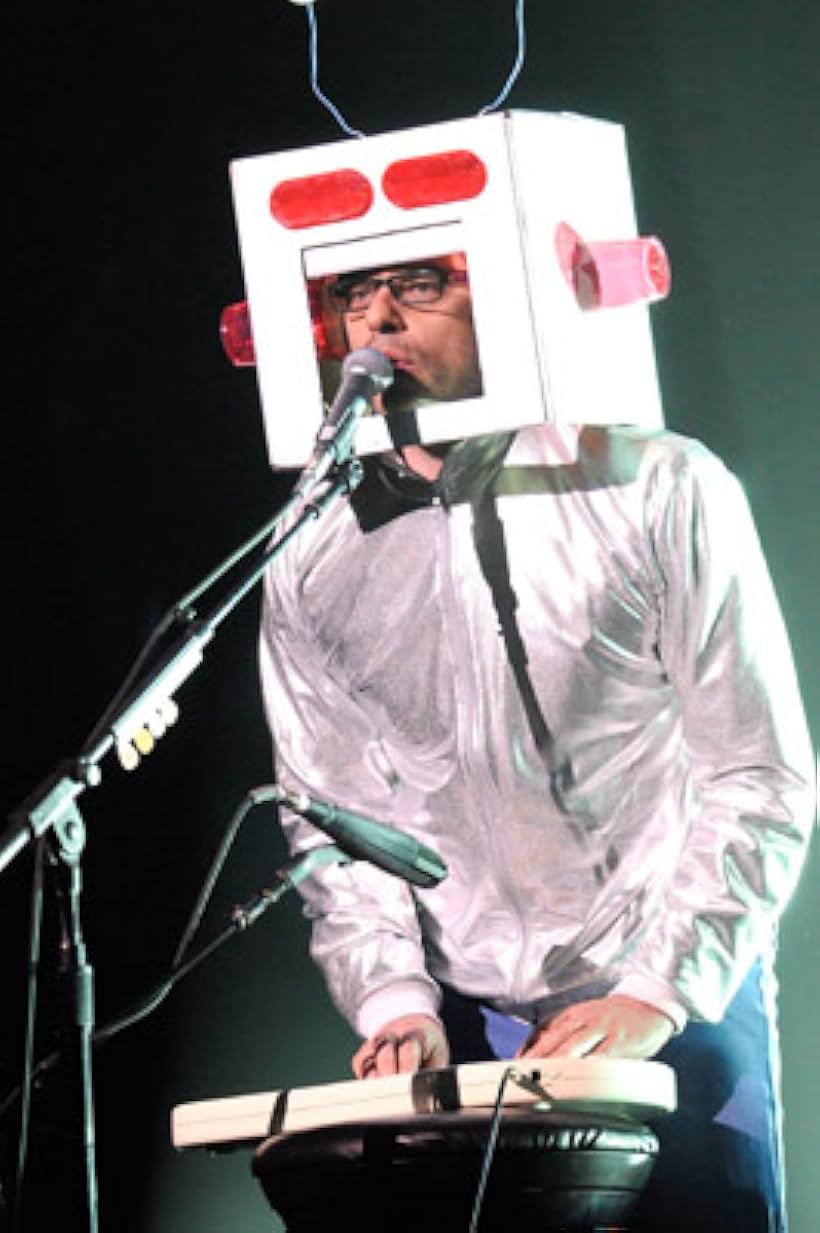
{"x":365,"y":373}
{"x":364,"y":839}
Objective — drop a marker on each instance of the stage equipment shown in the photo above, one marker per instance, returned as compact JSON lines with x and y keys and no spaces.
{"x":544,"y":1144}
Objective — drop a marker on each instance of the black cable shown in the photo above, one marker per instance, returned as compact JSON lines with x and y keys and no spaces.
{"x":489,"y":1150}
{"x":138,"y":1010}
{"x":35,"y":931}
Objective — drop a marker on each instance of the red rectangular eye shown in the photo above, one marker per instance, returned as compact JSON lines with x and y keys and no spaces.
{"x":434,"y":179}
{"x":329,"y":198}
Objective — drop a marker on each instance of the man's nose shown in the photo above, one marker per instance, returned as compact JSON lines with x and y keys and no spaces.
{"x":383,"y":315}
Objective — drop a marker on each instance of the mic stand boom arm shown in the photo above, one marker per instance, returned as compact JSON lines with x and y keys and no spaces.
{"x":51,"y":812}
{"x":55,"y":798}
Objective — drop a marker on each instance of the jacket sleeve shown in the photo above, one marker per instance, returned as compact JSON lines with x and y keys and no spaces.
{"x":726,"y":652}
{"x":365,"y":932}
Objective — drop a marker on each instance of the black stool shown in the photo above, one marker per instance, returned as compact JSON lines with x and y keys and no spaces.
{"x":551,"y":1172}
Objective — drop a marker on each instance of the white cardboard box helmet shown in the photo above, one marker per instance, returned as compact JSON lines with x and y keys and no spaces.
{"x":500,"y":188}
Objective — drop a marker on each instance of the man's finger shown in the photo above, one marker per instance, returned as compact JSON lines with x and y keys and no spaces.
{"x":548,"y":1038}
{"x":386,"y":1053}
{"x":404,"y":1045}
{"x":410,"y":1055}
{"x":576,"y":1043}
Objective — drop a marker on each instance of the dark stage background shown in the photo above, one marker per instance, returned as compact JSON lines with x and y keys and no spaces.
{"x":135,"y":461}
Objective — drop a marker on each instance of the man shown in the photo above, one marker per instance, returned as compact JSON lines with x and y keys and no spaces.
{"x":556,"y":657}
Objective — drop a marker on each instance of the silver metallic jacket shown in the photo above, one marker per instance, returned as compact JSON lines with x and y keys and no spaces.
{"x":568,"y":675}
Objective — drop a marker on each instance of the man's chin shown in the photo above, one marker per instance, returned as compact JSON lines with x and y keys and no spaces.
{"x":405,"y":393}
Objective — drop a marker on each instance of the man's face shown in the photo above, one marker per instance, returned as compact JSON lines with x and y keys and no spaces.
{"x":430,"y":341}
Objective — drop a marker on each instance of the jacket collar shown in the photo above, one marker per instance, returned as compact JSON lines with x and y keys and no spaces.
{"x":390,"y":490}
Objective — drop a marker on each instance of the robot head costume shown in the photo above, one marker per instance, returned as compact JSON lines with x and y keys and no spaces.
{"x":535,"y":208}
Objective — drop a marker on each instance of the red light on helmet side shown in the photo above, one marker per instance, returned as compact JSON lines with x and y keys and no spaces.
{"x":328,"y":198}
{"x":328,"y":332}
{"x":434,"y":179}
{"x":613,"y":273}
{"x":658,"y":270}
{"x":236,"y":336}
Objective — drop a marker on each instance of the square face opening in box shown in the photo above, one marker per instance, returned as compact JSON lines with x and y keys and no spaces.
{"x":418,"y":313}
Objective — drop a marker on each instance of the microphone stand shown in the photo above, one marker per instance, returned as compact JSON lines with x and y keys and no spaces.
{"x":51,"y":812}
{"x":289,"y":876}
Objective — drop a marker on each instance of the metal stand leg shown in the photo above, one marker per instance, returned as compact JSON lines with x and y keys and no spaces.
{"x":76,"y":978}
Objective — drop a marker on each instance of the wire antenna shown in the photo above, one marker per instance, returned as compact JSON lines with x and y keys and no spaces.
{"x":520,"y":54}
{"x":313,"y":44}
{"x":313,"y":53}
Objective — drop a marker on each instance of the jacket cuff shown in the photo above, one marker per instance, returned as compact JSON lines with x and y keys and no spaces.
{"x":409,"y":997}
{"x":655,"y":993}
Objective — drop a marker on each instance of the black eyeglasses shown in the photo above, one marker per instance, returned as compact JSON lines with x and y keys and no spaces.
{"x":353,"y":293}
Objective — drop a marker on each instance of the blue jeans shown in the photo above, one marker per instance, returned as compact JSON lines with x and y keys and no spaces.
{"x":719,"y":1168}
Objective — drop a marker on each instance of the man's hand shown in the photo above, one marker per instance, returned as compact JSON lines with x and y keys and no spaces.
{"x":615,"y":1026}
{"x":402,"y":1046}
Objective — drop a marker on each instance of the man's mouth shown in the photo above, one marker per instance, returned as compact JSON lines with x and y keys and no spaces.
{"x":397,"y":358}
